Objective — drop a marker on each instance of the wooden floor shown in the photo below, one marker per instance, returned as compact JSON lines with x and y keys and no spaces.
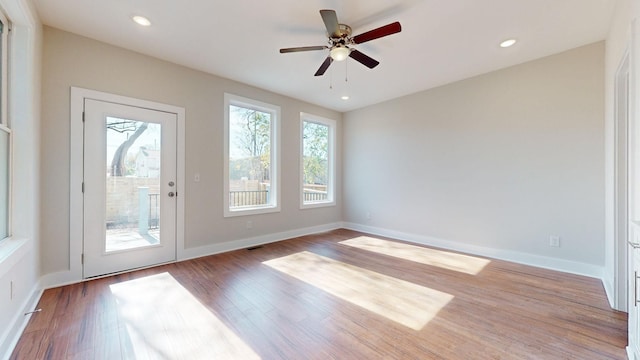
{"x":337,"y":295}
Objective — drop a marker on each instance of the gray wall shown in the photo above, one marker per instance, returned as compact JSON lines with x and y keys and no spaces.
{"x":71,"y":60}
{"x":499,"y":161}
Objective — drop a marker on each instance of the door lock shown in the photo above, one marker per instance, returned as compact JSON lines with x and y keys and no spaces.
{"x":171,"y":183}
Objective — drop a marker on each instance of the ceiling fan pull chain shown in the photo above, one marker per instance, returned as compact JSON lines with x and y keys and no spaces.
{"x":346,"y":71}
{"x":331,"y":78}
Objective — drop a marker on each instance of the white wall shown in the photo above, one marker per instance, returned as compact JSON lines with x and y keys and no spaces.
{"x":19,"y":256}
{"x":494,"y":164}
{"x":72,"y":60}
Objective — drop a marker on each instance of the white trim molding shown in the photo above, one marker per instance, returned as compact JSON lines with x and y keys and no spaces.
{"x":274,"y":203}
{"x":562,"y":265}
{"x":68,"y":277}
{"x":218,"y":248}
{"x":19,"y":322}
{"x":19,"y":255}
{"x":331,"y":161}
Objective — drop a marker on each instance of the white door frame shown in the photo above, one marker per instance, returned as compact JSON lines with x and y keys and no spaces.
{"x":76,"y":168}
{"x":634,"y":198}
{"x":622,"y":191}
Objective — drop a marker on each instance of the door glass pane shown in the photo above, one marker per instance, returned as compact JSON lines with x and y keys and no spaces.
{"x":133,"y":184}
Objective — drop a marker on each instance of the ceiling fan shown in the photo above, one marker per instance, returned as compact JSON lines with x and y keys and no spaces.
{"x":340,"y":41}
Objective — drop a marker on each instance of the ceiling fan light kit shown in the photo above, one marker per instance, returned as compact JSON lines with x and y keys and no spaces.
{"x":342,"y":43}
{"x":339,"y":52}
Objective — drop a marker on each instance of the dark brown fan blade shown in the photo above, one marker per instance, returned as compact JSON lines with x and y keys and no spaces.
{"x":378,"y":33}
{"x":330,"y":22}
{"x":303,"y":48}
{"x":324,"y":66}
{"x":363,"y":59}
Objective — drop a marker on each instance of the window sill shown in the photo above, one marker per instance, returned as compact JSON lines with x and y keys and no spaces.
{"x":11,"y":251}
{"x":251,"y":211}
{"x":313,"y":205}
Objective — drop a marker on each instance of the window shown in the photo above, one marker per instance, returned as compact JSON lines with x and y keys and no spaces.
{"x":317,"y":161}
{"x":5,"y":134}
{"x":251,"y":157}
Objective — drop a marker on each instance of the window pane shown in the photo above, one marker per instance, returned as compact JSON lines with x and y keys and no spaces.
{"x":315,"y":158}
{"x":4,"y":184}
{"x":249,"y":157}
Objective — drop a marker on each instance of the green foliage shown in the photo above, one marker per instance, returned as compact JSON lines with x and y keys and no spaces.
{"x":250,"y":149}
{"x":315,"y":139}
{"x":251,"y":131}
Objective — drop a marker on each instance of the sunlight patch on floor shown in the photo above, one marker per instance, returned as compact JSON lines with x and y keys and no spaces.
{"x":443,"y":259}
{"x":401,"y":301}
{"x":164,"y":320}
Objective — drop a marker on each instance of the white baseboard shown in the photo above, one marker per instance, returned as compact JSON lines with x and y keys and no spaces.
{"x":508,"y":255}
{"x":60,"y":278}
{"x":18,"y":323}
{"x":212,"y":249}
{"x":69,"y":277}
{"x":609,"y":290}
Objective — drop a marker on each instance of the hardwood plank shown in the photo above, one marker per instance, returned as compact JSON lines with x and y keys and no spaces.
{"x":497,"y":309}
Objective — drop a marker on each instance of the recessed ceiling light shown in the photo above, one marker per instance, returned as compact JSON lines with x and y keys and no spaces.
{"x":345,"y":97}
{"x":507,"y":43}
{"x":141,"y":20}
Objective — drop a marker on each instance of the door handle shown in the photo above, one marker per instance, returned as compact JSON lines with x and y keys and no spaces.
{"x":634,"y":245}
{"x":635,"y":288}
{"x":171,"y":194}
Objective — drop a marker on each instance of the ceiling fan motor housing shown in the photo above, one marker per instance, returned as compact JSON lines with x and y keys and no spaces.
{"x":344,"y":39}
{"x":345,"y":30}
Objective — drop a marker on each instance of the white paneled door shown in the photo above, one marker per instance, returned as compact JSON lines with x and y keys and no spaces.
{"x":129,"y":187}
{"x":633,"y":109}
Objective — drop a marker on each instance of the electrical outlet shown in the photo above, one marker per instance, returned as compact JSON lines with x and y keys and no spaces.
{"x":554,"y":241}
{"x":196,"y":177}
{"x":249,"y":224}
{"x":368,"y":215}
{"x":11,"y":290}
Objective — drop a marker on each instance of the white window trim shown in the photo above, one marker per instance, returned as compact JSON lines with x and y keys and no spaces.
{"x":20,"y":104}
{"x":331,"y":181}
{"x":5,"y":123}
{"x":5,"y":69}
{"x":230,"y":99}
{"x":6,"y":129}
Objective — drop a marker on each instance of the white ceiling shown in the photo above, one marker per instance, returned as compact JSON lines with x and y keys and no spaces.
{"x":441,"y":40}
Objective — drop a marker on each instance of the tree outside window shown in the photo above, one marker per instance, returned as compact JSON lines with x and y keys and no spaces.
{"x":317,"y":161}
